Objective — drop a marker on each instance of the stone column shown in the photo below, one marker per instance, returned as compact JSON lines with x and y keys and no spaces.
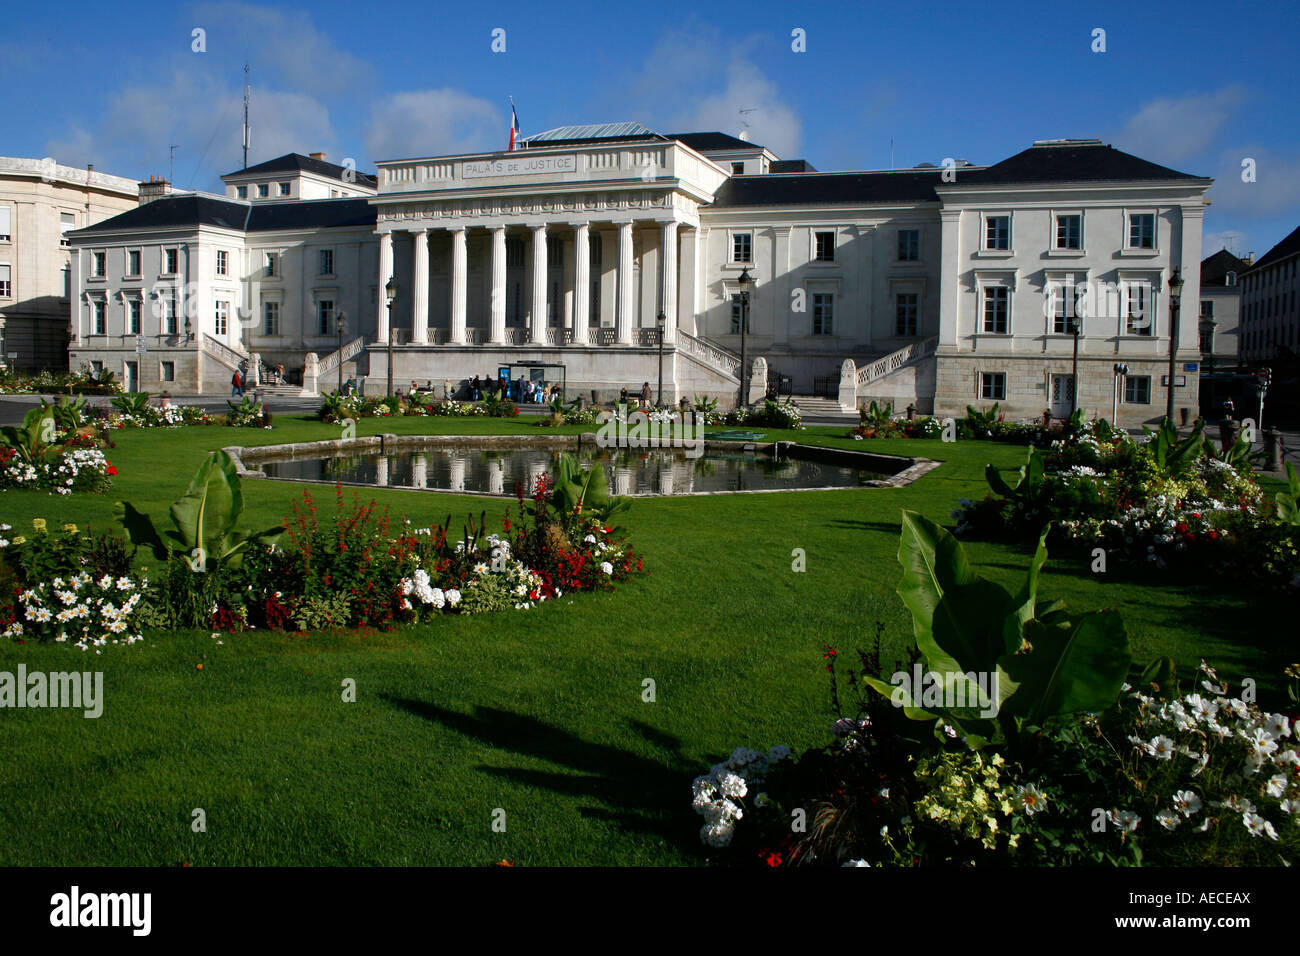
{"x":385,"y":273}
{"x":623,"y":318}
{"x":381,"y":471}
{"x":496,"y":476}
{"x":537,"y":316}
{"x":420,"y":289}
{"x":949,"y":278}
{"x":458,"y":287}
{"x":581,"y":283}
{"x":497,"y":330}
{"x":457,"y":465}
{"x":420,"y":472}
{"x":668,"y":282}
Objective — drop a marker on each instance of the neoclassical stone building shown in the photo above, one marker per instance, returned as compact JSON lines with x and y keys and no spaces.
{"x":936,"y":286}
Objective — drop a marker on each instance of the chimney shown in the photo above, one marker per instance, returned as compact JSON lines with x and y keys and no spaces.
{"x":155,"y":187}
{"x":319,"y":156}
{"x":1250,"y":258}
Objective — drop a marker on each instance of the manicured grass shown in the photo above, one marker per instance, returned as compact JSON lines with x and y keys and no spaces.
{"x":539,"y":713}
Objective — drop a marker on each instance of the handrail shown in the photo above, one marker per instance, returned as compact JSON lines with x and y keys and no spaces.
{"x":714,"y":356}
{"x":895,"y":360}
{"x":339,"y":356}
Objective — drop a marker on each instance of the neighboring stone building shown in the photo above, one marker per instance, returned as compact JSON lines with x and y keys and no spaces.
{"x":938,"y":287}
{"x":1220,"y":308}
{"x":1270,"y":315}
{"x":40,"y":201}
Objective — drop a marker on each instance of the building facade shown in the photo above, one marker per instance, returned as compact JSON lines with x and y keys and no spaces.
{"x":934,"y":287}
{"x":1220,"y":308}
{"x":40,"y":203}
{"x":1270,"y":315}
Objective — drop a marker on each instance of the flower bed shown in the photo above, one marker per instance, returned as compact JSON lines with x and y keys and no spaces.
{"x":43,"y":454}
{"x":1150,"y":774}
{"x":1163,"y":502}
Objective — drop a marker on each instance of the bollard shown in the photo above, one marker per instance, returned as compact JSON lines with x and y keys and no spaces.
{"x":1272,"y":450}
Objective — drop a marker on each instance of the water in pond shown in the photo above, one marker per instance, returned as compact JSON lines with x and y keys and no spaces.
{"x":497,"y":471}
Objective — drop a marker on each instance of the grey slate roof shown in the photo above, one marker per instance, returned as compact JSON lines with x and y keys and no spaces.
{"x":193,"y":210}
{"x":590,"y":131}
{"x":1070,"y":162}
{"x":1215,"y":268}
{"x":1283,"y":250}
{"x":296,"y":162}
{"x":704,"y":142}
{"x":828,"y":189}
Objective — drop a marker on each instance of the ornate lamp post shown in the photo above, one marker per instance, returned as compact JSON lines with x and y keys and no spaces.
{"x":746,"y":283}
{"x":390,"y":293}
{"x":1075,"y":327}
{"x":1175,"y":293}
{"x":1263,"y":378}
{"x":342,"y":327}
{"x":659,"y":401}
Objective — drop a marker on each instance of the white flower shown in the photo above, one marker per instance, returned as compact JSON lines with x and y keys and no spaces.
{"x":1276,"y":786}
{"x":1031,"y":799}
{"x":1186,"y":802}
{"x":1258,"y":826}
{"x":1277,"y":726}
{"x":1167,"y":819}
{"x":590,"y":539}
{"x":1126,"y":820}
{"x":1161,"y":747}
{"x":733,"y":785}
{"x":607,"y":567}
{"x":453,"y":596}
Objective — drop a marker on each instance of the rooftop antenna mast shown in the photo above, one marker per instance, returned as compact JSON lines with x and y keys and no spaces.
{"x":246,"y":90}
{"x":171,"y":164}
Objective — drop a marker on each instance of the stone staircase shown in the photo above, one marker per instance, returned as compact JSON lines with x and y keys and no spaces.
{"x":824,"y":410}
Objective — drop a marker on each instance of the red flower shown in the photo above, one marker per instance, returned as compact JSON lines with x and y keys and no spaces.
{"x":1214,"y":536}
{"x":109,"y":469}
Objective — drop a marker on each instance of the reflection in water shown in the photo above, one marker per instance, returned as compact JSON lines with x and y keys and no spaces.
{"x":500,"y":472}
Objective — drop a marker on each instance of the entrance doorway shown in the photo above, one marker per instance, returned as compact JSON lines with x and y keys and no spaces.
{"x":132,"y":376}
{"x":1062,"y":395}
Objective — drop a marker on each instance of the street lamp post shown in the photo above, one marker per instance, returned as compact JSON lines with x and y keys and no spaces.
{"x":342,"y":326}
{"x":659,"y":402}
{"x":1120,"y":371}
{"x":1175,"y":293}
{"x":1075,"y":328}
{"x":746,"y":282}
{"x":390,"y":293}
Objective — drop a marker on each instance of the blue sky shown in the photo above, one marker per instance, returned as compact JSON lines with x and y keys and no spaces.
{"x":1195,"y":85}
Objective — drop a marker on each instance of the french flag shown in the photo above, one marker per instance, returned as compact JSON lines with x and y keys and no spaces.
{"x":514,"y":125}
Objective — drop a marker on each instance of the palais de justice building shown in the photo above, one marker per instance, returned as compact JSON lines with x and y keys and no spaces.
{"x":934,"y":286}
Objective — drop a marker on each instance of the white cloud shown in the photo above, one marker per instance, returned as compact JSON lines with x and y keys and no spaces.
{"x":684,"y":67}
{"x":1275,"y":191}
{"x":1177,"y":129}
{"x":433,"y":123}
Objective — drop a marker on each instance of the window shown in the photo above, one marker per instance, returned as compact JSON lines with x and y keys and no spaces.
{"x":67,"y":281}
{"x":1230,"y":279}
{"x":1207,"y":308}
{"x":169,"y":314}
{"x":997,"y":301}
{"x":993,"y":386}
{"x":1065,"y":305}
{"x":263,"y":190}
{"x":1207,"y":341}
{"x":6,"y":291}
{"x":284,"y":188}
{"x":327,"y":262}
{"x":555,"y":255}
{"x":5,"y":225}
{"x":98,"y":264}
{"x":223,"y":262}
{"x":170,"y":260}
{"x":325,"y":316}
{"x":742,"y":247}
{"x":905,"y":310}
{"x":133,"y":262}
{"x":823,"y":313}
{"x":133,"y":308}
{"x":737,"y":169}
{"x":241,"y":192}
{"x":1142,"y":230}
{"x":1137,"y":390}
{"x":515,"y":253}
{"x":97,"y":316}
{"x":167,"y":371}
{"x":735,"y":315}
{"x":223,"y":318}
{"x":825,"y":246}
{"x":1137,"y":316}
{"x":67,"y":221}
{"x":997,"y":232}
{"x":272,"y":264}
{"x":909,"y":245}
{"x":1069,"y":231}
{"x":271,"y":315}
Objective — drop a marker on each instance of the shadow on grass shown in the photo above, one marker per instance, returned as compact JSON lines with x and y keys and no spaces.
{"x":636,"y":793}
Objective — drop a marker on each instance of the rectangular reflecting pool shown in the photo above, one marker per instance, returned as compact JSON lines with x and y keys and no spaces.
{"x":503,"y":470}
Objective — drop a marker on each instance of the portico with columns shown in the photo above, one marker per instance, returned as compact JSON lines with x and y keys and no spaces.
{"x":561,"y":253}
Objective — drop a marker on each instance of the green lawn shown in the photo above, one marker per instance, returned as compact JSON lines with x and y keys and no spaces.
{"x":538,"y":713}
